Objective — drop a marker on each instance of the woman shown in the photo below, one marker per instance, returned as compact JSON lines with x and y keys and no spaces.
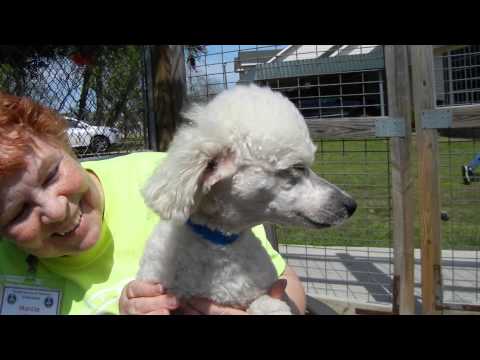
{"x":74,"y":233}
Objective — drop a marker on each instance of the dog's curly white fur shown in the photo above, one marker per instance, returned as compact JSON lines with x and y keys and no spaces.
{"x":243,"y":159}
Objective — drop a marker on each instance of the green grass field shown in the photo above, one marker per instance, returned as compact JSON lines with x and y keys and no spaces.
{"x":362,"y":168}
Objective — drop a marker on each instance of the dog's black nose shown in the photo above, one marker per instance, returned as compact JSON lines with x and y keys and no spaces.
{"x":350,"y":205}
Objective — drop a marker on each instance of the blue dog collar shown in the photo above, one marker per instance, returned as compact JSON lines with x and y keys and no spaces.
{"x":214,"y":236}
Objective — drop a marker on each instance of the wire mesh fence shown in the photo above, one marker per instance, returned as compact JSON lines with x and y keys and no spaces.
{"x":457,"y":74}
{"x":461,"y":233}
{"x":338,"y":81}
{"x":98,"y":89}
{"x":324,"y":81}
{"x":355,"y":260}
{"x":346,"y":81}
{"x":457,"y":77}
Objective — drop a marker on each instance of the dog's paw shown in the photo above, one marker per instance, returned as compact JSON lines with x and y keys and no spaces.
{"x":266,"y":305}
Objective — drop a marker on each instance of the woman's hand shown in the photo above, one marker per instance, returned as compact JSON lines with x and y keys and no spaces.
{"x":146,"y":298}
{"x":201,"y":306}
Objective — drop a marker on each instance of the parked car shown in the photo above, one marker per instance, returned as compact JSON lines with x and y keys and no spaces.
{"x":96,"y":138}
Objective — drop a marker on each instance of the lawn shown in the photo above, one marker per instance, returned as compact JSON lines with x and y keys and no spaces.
{"x":362,"y":168}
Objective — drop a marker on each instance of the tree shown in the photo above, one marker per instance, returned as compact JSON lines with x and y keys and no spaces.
{"x":99,"y":84}
{"x":167,"y":66}
{"x":103,"y":84}
{"x":21,"y":64}
{"x":99,"y":63}
{"x":110,"y":82}
{"x":193,"y":53}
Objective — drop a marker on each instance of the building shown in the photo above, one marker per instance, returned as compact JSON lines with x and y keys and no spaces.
{"x":349,"y":80}
{"x":321,"y":80}
{"x":457,"y":74}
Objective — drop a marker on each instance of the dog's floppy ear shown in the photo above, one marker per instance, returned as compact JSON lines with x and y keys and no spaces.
{"x":218,"y":168}
{"x":187,"y":174}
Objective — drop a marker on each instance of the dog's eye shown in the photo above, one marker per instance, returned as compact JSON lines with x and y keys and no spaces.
{"x":299,"y":168}
{"x":293,"y":174}
{"x":293,"y":171}
{"x":284,"y":173}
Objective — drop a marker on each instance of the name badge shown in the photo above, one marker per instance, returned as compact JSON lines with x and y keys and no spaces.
{"x":24,"y":300}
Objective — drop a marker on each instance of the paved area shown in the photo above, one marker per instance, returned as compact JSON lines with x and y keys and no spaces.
{"x":365,"y":274}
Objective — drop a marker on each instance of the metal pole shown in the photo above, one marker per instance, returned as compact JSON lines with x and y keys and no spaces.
{"x":150,"y":114}
{"x":224,"y":76}
{"x":450,"y":79}
{"x":382,"y":104}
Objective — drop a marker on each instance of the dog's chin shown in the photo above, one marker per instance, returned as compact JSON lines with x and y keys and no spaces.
{"x":319,"y":224}
{"x":310,"y":223}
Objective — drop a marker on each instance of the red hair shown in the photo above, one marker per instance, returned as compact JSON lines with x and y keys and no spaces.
{"x":21,"y":120}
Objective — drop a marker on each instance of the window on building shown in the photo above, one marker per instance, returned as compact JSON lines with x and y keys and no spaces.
{"x":352,"y":94}
{"x":459,"y":71}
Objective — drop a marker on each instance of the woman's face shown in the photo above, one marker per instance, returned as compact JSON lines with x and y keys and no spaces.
{"x":53,"y":207}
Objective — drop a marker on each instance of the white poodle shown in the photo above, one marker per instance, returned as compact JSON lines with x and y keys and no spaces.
{"x":242,"y":160}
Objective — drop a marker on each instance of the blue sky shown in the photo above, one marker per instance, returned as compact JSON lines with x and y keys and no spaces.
{"x":211,"y":64}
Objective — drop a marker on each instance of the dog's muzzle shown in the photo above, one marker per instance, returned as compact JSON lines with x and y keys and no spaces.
{"x":338,"y":206}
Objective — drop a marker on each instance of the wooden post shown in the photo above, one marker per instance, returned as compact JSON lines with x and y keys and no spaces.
{"x":421,"y":57}
{"x":399,"y":105}
{"x":167,"y":71}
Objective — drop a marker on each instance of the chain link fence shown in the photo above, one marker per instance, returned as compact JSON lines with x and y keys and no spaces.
{"x":98,"y":89}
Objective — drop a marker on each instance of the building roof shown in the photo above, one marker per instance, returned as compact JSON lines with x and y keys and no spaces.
{"x":252,"y":58}
{"x":321,"y":65}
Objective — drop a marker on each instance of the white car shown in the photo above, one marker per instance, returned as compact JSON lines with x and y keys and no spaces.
{"x":97,"y":138}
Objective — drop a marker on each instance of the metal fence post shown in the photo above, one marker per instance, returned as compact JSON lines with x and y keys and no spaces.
{"x":151,"y":131}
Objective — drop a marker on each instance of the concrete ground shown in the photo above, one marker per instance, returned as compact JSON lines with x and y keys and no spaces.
{"x":364,"y":275}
